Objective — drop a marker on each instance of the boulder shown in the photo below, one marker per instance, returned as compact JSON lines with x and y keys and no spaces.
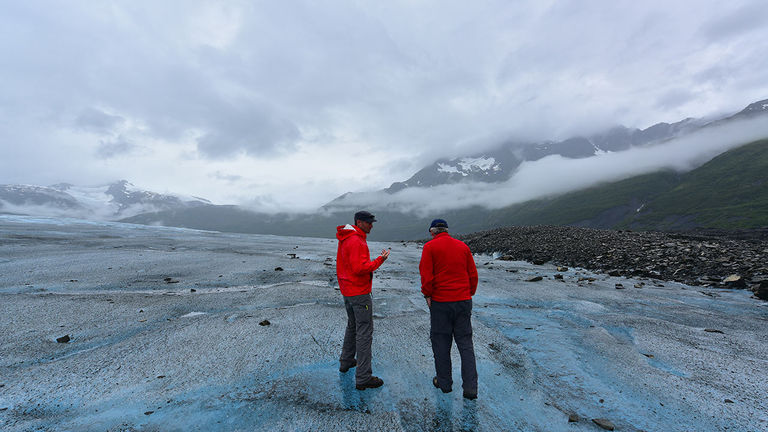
{"x":761,"y":291}
{"x":604,"y":423}
{"x":734,"y":281}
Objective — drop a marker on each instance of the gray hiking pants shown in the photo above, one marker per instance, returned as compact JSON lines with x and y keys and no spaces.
{"x":451,"y":321}
{"x":358,"y":336}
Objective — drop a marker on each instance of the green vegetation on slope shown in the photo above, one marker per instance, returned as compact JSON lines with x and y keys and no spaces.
{"x":601,"y":205}
{"x":730,"y":191}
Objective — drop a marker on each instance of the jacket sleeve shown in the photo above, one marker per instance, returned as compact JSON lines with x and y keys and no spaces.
{"x":360,"y":259}
{"x":426,"y":270}
{"x":472,"y":270}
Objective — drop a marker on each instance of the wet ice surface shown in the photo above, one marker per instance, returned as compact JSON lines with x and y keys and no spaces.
{"x":148,"y":353}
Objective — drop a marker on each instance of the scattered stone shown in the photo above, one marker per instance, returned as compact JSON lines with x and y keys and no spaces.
{"x":702,"y":257}
{"x":278,"y":269}
{"x":512,"y":270}
{"x":148,"y":412}
{"x":648,"y":355}
{"x":73,"y":280}
{"x":734,"y":281}
{"x":562,"y":269}
{"x":535,"y":279}
{"x":761,"y":291}
{"x":558,"y":276}
{"x":168,"y":279}
{"x":619,"y":286}
{"x":709,"y":330}
{"x":728,"y":401}
{"x":292,"y":255}
{"x":639,"y":285}
{"x":573,"y":418}
{"x":604,"y":423}
{"x":63,"y":339}
{"x":265,"y":323}
{"x":192,"y":290}
{"x":161,"y":376}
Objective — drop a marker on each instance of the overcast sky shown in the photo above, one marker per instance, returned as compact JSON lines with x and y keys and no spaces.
{"x":290,"y":104}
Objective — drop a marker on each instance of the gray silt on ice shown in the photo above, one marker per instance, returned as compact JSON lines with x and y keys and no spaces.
{"x":146,"y":354}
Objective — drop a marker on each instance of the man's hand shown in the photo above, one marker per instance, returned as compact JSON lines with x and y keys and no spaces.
{"x":429,"y":301}
{"x":385,"y":254}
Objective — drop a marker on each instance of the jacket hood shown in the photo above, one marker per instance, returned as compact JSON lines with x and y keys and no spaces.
{"x":346,"y":231}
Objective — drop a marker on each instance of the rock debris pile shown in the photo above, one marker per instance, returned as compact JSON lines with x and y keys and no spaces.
{"x":695,"y":259}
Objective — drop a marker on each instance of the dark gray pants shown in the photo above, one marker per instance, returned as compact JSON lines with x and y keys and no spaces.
{"x":358,"y":336}
{"x":451,"y":321}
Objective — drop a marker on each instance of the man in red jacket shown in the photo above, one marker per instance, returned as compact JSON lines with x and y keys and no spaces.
{"x":448,"y":282}
{"x":354,"y":269}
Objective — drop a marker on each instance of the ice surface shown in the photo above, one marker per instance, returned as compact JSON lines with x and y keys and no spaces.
{"x":165,"y":335}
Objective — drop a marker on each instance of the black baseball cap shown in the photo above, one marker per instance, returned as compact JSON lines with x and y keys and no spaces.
{"x":365,"y":216}
{"x":439,"y":223}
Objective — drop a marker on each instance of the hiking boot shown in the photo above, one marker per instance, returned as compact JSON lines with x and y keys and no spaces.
{"x":345,"y":368}
{"x":434,"y":383}
{"x":374,"y":382}
{"x":470,"y":395}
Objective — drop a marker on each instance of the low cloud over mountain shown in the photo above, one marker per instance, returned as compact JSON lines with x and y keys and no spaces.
{"x":476,"y":181}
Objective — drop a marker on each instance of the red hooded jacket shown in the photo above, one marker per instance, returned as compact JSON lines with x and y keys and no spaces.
{"x":447,"y":269}
{"x":354,"y":267}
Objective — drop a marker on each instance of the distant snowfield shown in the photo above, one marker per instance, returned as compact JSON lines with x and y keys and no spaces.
{"x":165,"y":335}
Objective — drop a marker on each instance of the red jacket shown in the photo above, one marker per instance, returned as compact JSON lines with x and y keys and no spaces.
{"x":354,"y":267}
{"x":447,"y":268}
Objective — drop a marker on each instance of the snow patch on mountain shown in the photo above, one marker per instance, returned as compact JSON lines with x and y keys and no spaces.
{"x":481,"y":163}
{"x":104,"y":202}
{"x":450,"y":169}
{"x":465,"y":166}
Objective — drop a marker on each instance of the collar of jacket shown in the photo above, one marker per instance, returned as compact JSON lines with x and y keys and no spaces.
{"x":345,"y":231}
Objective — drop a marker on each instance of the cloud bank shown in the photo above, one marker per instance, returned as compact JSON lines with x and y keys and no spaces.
{"x":295,"y":103}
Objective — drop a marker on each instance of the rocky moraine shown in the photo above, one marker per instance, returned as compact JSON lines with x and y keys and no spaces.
{"x":708,"y":258}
